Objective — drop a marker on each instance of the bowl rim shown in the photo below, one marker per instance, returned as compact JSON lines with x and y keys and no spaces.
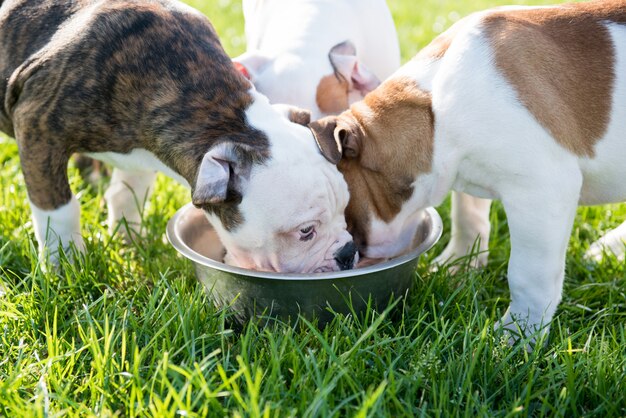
{"x":188,"y":252}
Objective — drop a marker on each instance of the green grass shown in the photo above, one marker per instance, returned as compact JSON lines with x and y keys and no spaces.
{"x":129,"y":331}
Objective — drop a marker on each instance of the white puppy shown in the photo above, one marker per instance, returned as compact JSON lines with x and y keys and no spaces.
{"x":319,"y":55}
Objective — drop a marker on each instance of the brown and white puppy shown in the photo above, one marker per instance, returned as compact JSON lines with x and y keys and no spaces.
{"x":522,"y":104}
{"x":147,"y":86}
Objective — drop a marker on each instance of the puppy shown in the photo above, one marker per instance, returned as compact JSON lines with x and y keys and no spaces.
{"x":146,"y":86}
{"x":522,"y":104}
{"x":318,"y":55}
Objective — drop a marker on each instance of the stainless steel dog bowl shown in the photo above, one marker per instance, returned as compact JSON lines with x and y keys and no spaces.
{"x":250,"y":294}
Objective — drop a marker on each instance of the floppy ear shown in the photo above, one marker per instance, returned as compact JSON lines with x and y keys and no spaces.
{"x":324,"y":133}
{"x":214,"y":175}
{"x":350,"y":140}
{"x":294,"y":114}
{"x":336,"y":139}
{"x":345,"y":63}
{"x":251,"y":64}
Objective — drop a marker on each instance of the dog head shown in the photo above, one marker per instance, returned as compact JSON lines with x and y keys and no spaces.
{"x":278,"y":207}
{"x":384,"y":147}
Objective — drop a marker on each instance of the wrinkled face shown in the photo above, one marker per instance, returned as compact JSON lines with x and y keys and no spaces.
{"x":293,"y":213}
{"x":286,"y":213}
{"x":383,"y":147}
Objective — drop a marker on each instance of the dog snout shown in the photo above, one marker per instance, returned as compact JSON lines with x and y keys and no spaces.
{"x":345,"y":256}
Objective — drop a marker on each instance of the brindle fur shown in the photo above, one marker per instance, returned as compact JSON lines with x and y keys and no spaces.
{"x":112,"y":76}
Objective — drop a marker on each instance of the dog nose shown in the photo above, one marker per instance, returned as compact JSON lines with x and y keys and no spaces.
{"x":345,"y":256}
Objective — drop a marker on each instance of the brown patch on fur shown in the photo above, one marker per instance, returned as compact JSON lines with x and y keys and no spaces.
{"x":560,"y":61}
{"x":332,"y":94}
{"x":88,"y":76}
{"x":394,"y":129}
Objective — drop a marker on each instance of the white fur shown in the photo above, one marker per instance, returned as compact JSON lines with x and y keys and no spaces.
{"x":487,"y":144}
{"x":57,"y":228}
{"x":290,"y":40}
{"x":613,"y":242}
{"x":126,"y":195}
{"x":295,"y":188}
{"x":138,"y":159}
{"x":131,"y":186}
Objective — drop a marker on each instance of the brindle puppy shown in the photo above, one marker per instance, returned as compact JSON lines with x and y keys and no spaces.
{"x":146,"y":85}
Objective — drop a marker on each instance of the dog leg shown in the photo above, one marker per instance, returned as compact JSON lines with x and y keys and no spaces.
{"x":125,"y":197}
{"x":613,"y":242}
{"x":470,"y":230}
{"x":57,"y":228}
{"x":540,"y":223}
{"x":55,"y":210}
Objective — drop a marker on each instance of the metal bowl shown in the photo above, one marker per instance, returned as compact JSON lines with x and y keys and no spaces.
{"x":249,"y":294}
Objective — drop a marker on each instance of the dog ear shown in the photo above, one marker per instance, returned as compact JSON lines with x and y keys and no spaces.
{"x":215,"y":173}
{"x":294,"y":114}
{"x":346,"y":65}
{"x":350,"y":139}
{"x":251,"y":64}
{"x":336,"y":139}
{"x":324,"y":133}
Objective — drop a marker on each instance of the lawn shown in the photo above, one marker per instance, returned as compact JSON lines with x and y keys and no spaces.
{"x":129,"y":331}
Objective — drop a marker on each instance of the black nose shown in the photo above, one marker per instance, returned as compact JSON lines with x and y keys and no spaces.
{"x":345,"y":256}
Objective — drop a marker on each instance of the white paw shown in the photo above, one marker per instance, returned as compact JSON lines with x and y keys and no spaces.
{"x":58,"y":229}
{"x":454,"y":251}
{"x":125,"y":199}
{"x":50,"y":250}
{"x":519,"y":328}
{"x":611,"y":244}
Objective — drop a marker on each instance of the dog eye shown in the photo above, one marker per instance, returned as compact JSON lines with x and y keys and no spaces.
{"x":307,"y":233}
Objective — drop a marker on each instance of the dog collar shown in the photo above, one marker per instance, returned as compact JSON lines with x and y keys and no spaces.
{"x":242,"y":69}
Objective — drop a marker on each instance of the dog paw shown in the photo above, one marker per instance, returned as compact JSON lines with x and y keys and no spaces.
{"x":522,"y":331}
{"x":50,"y":254}
{"x":605,"y":248}
{"x":125,"y":198}
{"x":613,"y":243}
{"x":458,"y":258}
